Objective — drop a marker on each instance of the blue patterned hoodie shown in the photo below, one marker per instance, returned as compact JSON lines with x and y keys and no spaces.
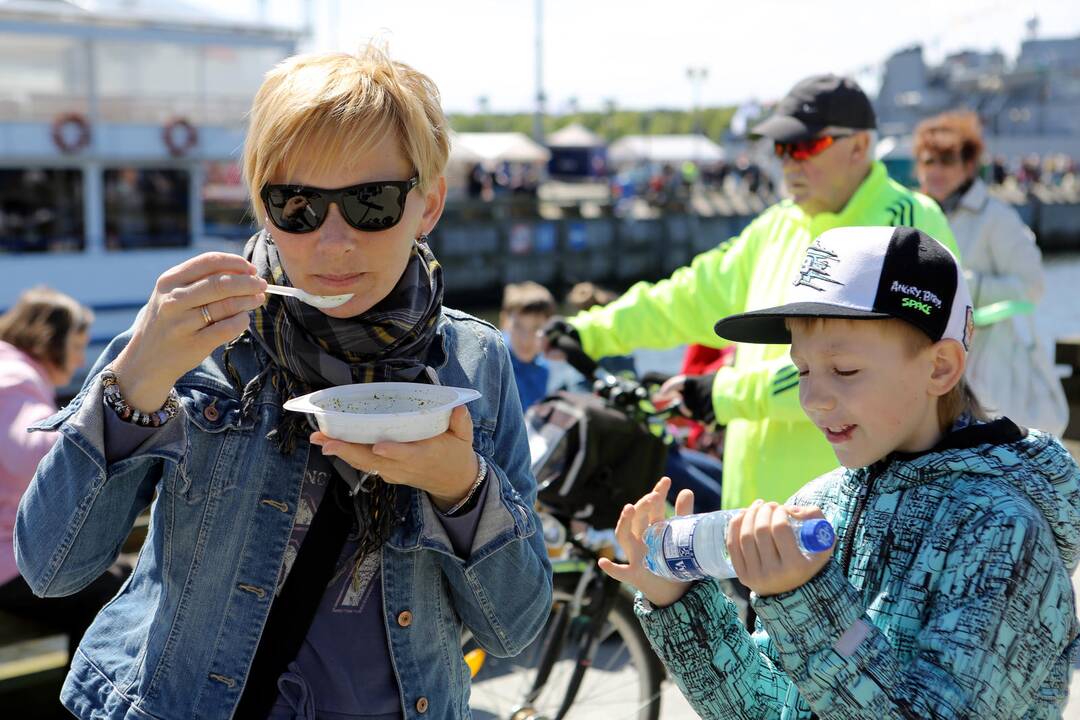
{"x":948,"y":595}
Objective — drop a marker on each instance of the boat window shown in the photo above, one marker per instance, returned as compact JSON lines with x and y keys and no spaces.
{"x":226,"y":207}
{"x":41,"y":77}
{"x":41,"y":210}
{"x":146,"y":207}
{"x":145,"y":82}
{"x":153,"y":82}
{"x":231,"y":76}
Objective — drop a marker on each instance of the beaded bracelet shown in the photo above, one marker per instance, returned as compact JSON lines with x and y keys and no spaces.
{"x":110,"y":389}
{"x":481,"y":473}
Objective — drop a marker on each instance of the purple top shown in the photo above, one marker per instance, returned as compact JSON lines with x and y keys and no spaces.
{"x":343,"y":670}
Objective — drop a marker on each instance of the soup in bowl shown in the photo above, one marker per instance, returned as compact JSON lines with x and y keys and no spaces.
{"x":376,"y":412}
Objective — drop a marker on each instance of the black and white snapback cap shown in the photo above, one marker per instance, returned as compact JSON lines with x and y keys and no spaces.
{"x":866,"y":273}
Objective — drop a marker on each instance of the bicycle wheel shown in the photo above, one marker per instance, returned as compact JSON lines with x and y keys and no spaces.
{"x":623,"y":682}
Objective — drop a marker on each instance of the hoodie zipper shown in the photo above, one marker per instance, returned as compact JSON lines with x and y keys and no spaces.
{"x":860,"y":506}
{"x":996,"y":432}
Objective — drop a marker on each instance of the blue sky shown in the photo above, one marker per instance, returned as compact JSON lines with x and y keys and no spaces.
{"x":636,"y":52}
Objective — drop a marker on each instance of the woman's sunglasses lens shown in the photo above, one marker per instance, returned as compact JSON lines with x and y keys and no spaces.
{"x":375,"y":206}
{"x":294,"y":211}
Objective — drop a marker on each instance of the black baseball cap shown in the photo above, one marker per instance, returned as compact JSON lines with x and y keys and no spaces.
{"x":868,"y":273}
{"x":816,"y":103}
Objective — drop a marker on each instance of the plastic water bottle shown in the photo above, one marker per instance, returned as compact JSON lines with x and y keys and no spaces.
{"x":693,"y":547}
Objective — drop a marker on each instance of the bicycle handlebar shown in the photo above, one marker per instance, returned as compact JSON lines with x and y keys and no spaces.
{"x":575,"y":356}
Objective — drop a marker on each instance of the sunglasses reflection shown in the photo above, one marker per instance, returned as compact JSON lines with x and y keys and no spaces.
{"x":368,"y":207}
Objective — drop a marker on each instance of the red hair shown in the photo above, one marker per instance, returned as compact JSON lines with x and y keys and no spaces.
{"x":958,"y":131}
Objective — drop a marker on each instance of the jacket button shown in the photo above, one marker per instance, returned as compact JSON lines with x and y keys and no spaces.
{"x":211,"y":413}
{"x":404,"y":619}
{"x":421,"y":705}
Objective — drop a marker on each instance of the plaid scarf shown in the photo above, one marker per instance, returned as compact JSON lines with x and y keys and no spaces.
{"x":310,"y":351}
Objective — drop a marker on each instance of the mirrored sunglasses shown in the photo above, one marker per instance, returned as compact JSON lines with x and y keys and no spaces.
{"x":369,"y":207}
{"x":805,"y":149}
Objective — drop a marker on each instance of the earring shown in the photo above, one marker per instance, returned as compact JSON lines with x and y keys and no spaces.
{"x":422,"y":240}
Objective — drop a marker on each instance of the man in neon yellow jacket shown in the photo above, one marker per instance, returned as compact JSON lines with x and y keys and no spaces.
{"x":823,"y":130}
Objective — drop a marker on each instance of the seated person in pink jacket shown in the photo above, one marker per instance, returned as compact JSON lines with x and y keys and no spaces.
{"x":43,"y":342}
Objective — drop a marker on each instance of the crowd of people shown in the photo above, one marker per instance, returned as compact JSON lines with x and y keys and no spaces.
{"x":290,"y":574}
{"x":1056,"y":170}
{"x":491,"y":181}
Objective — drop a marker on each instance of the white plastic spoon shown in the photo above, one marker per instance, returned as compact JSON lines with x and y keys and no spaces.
{"x":319,"y":301}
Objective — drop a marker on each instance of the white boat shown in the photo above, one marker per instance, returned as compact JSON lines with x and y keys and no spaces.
{"x":121,"y":124}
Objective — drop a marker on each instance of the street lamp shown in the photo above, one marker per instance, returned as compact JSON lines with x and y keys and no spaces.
{"x":538,"y":113}
{"x":696,"y":76}
{"x":609,"y":118}
{"x":483,"y":105}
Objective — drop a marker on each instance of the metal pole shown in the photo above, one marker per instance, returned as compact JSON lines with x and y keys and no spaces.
{"x":93,"y":182}
{"x":538,"y":116}
{"x":697,"y":76}
{"x":196,"y":183}
{"x":94,"y":209}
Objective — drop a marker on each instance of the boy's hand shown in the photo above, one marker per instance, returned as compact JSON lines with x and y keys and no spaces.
{"x":629,"y":530}
{"x":764,"y":552}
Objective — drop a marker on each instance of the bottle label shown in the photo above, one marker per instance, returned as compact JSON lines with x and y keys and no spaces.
{"x":679,"y":550}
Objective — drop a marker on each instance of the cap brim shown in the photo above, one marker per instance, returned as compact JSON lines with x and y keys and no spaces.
{"x":784,"y":128}
{"x":767,"y":326}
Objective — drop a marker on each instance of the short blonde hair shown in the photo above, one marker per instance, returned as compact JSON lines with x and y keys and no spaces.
{"x":960,"y":399}
{"x":322,"y":107}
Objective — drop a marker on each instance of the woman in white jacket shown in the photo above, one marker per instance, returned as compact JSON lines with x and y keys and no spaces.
{"x":1009,"y":370}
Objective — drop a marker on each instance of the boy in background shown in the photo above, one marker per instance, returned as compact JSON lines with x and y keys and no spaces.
{"x":526,"y":308}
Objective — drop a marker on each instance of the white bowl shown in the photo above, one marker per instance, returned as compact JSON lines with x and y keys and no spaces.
{"x":375,"y":412}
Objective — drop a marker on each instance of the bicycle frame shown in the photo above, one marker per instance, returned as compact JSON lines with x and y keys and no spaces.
{"x":577,"y":622}
{"x":579,"y":625}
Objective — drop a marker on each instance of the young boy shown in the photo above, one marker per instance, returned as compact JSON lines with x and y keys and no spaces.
{"x":948,"y":593}
{"x":526,"y":308}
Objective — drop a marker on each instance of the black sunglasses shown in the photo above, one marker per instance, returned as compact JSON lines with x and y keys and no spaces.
{"x":370,"y":206}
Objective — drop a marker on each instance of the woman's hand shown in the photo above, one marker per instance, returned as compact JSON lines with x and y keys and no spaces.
{"x":172,"y":335}
{"x":629,"y":531}
{"x":764,"y":552}
{"x":444,"y":466}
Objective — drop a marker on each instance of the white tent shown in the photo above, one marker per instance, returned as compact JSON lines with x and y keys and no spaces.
{"x":498,"y":147}
{"x":575,"y":135}
{"x":459,"y":153}
{"x":634,"y":149}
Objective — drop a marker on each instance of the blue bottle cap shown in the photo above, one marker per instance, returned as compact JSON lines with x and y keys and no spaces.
{"x":817,"y":535}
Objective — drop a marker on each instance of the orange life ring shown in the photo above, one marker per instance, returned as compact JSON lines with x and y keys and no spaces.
{"x":179,"y":136}
{"x":71,"y":132}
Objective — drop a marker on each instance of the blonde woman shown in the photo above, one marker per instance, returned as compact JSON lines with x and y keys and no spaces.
{"x":287,"y":574}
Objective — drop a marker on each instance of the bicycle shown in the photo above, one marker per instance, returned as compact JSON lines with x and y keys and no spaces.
{"x":592,"y":653}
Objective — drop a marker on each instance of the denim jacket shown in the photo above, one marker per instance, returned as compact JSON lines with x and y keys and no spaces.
{"x":179,"y":638}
